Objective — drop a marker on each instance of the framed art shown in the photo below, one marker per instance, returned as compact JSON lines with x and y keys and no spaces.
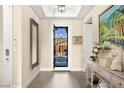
{"x":111,"y":25}
{"x":77,"y":39}
{"x":34,"y":28}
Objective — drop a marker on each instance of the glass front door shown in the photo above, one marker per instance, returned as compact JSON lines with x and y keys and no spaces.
{"x":60,"y":46}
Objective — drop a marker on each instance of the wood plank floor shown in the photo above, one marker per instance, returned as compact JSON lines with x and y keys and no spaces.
{"x":60,"y":79}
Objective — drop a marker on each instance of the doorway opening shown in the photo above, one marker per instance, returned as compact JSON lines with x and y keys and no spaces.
{"x":60,"y":46}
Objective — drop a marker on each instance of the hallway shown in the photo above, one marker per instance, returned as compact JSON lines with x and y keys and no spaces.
{"x":56,"y":79}
{"x":34,"y":45}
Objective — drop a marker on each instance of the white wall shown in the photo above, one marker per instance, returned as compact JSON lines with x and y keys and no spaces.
{"x":22,"y":72}
{"x":1,"y":46}
{"x":75,"y":28}
{"x":94,"y":35}
{"x":17,"y":47}
{"x":27,"y":72}
{"x":88,"y":44}
{"x":94,"y":14}
{"x":75,"y":54}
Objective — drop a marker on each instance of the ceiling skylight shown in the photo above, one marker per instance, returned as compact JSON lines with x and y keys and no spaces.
{"x":52,"y":11}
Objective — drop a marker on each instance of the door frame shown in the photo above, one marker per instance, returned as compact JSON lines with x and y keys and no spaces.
{"x":7,"y":40}
{"x":61,"y":68}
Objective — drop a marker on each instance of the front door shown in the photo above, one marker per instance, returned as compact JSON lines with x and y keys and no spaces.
{"x":60,"y":46}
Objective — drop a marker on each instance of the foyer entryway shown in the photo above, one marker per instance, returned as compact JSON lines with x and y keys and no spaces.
{"x":60,"y":46}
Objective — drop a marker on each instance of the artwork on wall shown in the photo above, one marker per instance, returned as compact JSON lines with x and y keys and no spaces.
{"x":77,"y":39}
{"x":111,"y":25}
{"x":34,"y":42}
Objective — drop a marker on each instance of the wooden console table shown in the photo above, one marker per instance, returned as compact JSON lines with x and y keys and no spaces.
{"x":115,"y":79}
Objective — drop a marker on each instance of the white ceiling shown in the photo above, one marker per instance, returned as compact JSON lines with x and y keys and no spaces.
{"x":71,"y":11}
{"x":52,"y":11}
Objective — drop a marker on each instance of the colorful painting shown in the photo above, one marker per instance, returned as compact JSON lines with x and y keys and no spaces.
{"x":111,"y":24}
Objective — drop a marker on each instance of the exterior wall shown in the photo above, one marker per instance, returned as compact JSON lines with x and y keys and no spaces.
{"x":60,"y":46}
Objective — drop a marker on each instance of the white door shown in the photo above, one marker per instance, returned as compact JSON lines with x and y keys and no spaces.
{"x":1,"y":46}
{"x":88,"y":42}
{"x":7,"y":45}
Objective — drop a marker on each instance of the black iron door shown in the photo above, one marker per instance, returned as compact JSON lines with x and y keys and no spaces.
{"x":60,"y":46}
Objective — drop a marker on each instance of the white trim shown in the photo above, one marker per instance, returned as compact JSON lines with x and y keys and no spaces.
{"x":7,"y":39}
{"x":77,"y":69}
{"x":4,"y":86}
{"x":17,"y":86}
{"x":45,"y":69}
{"x":26,"y":83}
{"x":84,"y":69}
{"x":61,"y":69}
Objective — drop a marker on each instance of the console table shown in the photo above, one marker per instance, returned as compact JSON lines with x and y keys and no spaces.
{"x":114,"y":79}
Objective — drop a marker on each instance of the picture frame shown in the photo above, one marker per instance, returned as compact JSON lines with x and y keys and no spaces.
{"x":34,"y":29}
{"x":77,"y":39}
{"x":111,"y":23}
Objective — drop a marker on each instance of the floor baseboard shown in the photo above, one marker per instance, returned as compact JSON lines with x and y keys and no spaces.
{"x":45,"y":69}
{"x":17,"y":86}
{"x":30,"y":79}
{"x":77,"y":69}
{"x":61,"y":69}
